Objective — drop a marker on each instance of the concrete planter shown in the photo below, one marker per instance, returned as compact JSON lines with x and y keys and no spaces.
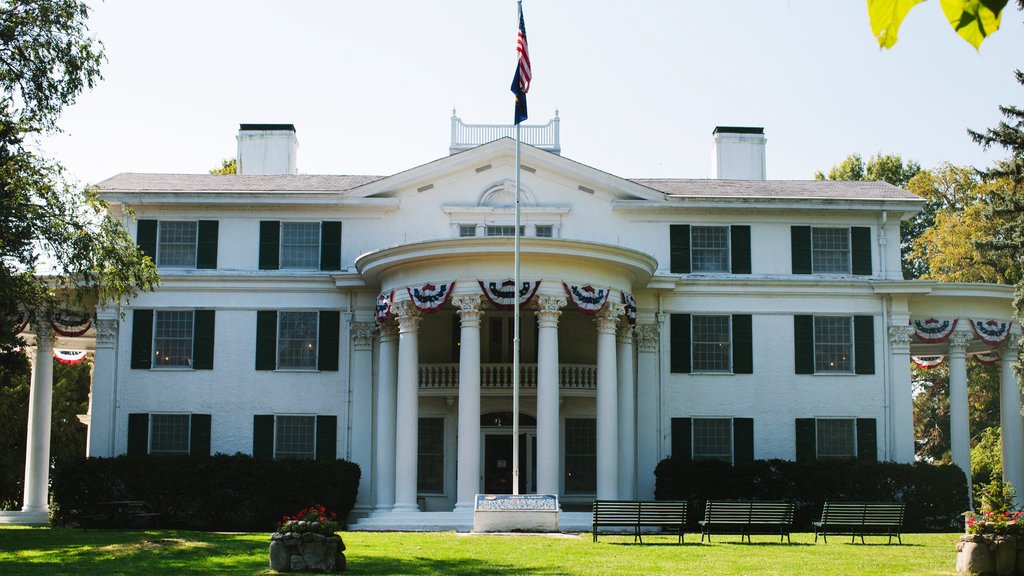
{"x":306,"y":552}
{"x":990,"y":555}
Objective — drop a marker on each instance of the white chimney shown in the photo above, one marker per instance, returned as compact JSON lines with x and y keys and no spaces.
{"x":266,"y":149}
{"x":737,"y":153}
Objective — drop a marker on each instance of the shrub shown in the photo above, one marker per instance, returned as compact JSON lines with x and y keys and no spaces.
{"x":935,"y":496}
{"x":218,"y":492}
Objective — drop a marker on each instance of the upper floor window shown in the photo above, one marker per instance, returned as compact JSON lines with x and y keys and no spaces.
{"x":467,"y":230}
{"x":494,"y":230}
{"x":300,"y":245}
{"x":173,"y":339}
{"x":834,"y":344}
{"x":545,"y":231}
{"x":709,"y":249}
{"x":711,"y":340}
{"x":712,"y":439}
{"x":176,"y":246}
{"x":179,"y":243}
{"x":711,"y":343}
{"x":297,"y":340}
{"x":831,"y":250}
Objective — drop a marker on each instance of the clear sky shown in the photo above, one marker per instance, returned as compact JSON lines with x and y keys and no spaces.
{"x":370,"y":85}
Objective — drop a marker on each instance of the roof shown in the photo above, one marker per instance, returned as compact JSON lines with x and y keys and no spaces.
{"x":233,"y":183}
{"x":797,"y":189}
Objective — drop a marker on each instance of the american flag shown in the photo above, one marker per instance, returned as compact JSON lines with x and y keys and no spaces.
{"x":523,"y":75}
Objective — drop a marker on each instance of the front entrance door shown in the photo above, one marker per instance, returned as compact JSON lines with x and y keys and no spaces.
{"x":498,"y":463}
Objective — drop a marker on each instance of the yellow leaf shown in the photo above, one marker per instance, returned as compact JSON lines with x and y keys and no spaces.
{"x":973,"y":20}
{"x":886,"y":17}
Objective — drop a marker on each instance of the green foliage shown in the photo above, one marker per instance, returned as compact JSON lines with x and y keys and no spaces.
{"x":227,"y":166}
{"x":935,"y":495}
{"x":931,"y":408}
{"x":973,"y":20}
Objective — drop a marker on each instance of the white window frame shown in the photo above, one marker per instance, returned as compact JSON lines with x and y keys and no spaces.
{"x":282,"y":264}
{"x":276,"y":429}
{"x":693,"y":439}
{"x":852,"y":342}
{"x":853,"y":442}
{"x":462,"y":230}
{"x":188,"y":434}
{"x":316,"y":339}
{"x":849,"y":252}
{"x":156,"y":349}
{"x":160,"y":227}
{"x":693,"y":344}
{"x":549,"y":227}
{"x":727,"y":248}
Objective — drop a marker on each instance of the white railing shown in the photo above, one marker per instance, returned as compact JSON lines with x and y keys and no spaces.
{"x":466,"y":136}
{"x":445,"y":377}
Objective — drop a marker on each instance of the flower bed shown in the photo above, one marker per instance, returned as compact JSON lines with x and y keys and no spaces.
{"x":307,"y":542}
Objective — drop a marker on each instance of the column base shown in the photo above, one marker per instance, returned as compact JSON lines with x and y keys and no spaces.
{"x":26,"y":517}
{"x":406,"y":508}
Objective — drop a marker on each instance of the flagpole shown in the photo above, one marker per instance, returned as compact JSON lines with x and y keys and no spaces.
{"x":515,"y":339}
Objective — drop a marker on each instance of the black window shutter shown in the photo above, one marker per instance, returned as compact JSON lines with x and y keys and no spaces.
{"x":740,"y":247}
{"x":145,"y":236}
{"x":860,"y":252}
{"x":679,"y":343}
{"x":330,"y":246}
{"x":138,"y":434}
{"x":203,"y":330}
{"x":679,"y":248}
{"x":803,"y":344}
{"x":681,"y":439}
{"x":742,"y":344}
{"x":864,"y":344}
{"x":801,"y":249}
{"x":742,"y":440}
{"x":199,"y":441}
{"x":326,"y":437}
{"x":142,"y":339}
{"x":806,"y":440}
{"x":266,"y":340}
{"x":206,"y":251}
{"x":867,"y":440}
{"x":263,"y":436}
{"x":270,"y":240}
{"x":327,"y":348}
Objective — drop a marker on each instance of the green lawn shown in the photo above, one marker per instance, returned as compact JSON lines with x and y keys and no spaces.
{"x":39,"y":551}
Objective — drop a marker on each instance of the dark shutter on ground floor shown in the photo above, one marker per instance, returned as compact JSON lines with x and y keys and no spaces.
{"x":270,"y":240}
{"x":263,"y":436}
{"x":266,"y":340}
{"x":679,"y":343}
{"x":742,"y":344}
{"x":800,"y":238}
{"x":199,"y":435}
{"x":867,"y":440}
{"x":682,"y":445}
{"x":806,"y":440}
{"x":679,"y":248}
{"x":803,"y":344}
{"x":860,"y":250}
{"x":864,"y":344}
{"x":145,"y":236}
{"x":326,"y":437}
{"x":138,"y":434}
{"x":142,"y":339}
{"x":739,"y":244}
{"x":330,"y":246}
{"x":206,"y":246}
{"x":742,"y":440}
{"x":327,"y":348}
{"x":202,"y":339}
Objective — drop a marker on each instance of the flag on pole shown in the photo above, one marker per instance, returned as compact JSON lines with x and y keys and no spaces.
{"x":521,"y":80}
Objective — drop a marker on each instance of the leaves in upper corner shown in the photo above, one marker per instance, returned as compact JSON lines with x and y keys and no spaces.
{"x":886,"y":17}
{"x":973,"y":20}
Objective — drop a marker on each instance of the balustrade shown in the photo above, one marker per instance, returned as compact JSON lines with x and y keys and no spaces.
{"x":445,"y":377}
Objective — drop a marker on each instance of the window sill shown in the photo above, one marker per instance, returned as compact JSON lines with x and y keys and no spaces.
{"x":711,"y":373}
{"x":172,"y":369}
{"x":836,"y":374}
{"x":298,"y":370}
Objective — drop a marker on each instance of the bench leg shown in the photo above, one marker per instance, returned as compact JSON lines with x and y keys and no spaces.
{"x":638,"y":536}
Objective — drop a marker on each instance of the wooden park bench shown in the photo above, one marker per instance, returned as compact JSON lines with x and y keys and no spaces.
{"x":637,"y":514}
{"x":745,"y":518}
{"x":860,"y":519}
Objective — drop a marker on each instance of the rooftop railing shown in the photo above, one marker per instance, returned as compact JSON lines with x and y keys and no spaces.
{"x":466,"y":136}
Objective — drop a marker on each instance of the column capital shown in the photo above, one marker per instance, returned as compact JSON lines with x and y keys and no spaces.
{"x":624,"y":331}
{"x":362,"y":335}
{"x":958,"y":342}
{"x":647,"y":337}
{"x":42,"y":330}
{"x":408,"y":316}
{"x":607,"y":319}
{"x":469,"y":310}
{"x":106,"y":332}
{"x":548,"y":309}
{"x":387,"y":332}
{"x":899,"y":338}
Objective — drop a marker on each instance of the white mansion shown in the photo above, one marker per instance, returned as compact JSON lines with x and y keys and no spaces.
{"x":368,"y":318}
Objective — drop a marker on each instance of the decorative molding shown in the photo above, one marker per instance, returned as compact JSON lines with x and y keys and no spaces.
{"x":387,"y":332}
{"x":900,"y":337}
{"x":469,"y":309}
{"x":958,"y":342}
{"x":106,"y":332}
{"x":647,"y":337}
{"x":362,"y":335}
{"x":608,"y":317}
{"x":548,"y":309}
{"x":409,"y":316}
{"x":624,"y":331}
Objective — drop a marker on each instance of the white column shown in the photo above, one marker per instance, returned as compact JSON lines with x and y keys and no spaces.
{"x":901,"y":395}
{"x":549,"y":309}
{"x":407,"y":410}
{"x":647,"y":456}
{"x":607,"y":411}
{"x":360,"y":415}
{"x":37,"y":449}
{"x":103,"y":399}
{"x":469,"y":401}
{"x":1011,"y":422}
{"x":387,"y":366}
{"x":627,"y":414}
{"x":959,"y":421}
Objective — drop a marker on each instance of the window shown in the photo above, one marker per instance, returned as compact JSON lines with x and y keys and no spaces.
{"x":580,"y":455}
{"x":172,"y":340}
{"x":176,"y":247}
{"x":830,"y":250}
{"x":545,"y":231}
{"x":430,"y":464}
{"x":504,"y":231}
{"x":179,"y":244}
{"x":467,"y":230}
{"x":300,"y":245}
{"x":294,"y":437}
{"x":836,"y":439}
{"x":709,"y":249}
{"x":297,"y":340}
{"x":832,"y":344}
{"x":711,"y":344}
{"x":712,"y":439}
{"x":169,"y":433}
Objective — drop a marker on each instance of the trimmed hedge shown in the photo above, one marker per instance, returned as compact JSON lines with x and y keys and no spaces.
{"x":935,"y":496}
{"x":219,"y":492}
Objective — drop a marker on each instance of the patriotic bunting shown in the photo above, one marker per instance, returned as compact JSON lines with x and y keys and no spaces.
{"x":502,"y":294}
{"x":20,"y":322}
{"x":69,"y":356}
{"x":588,"y":299}
{"x":985,"y":358}
{"x":71,"y":324}
{"x":430,"y":298}
{"x":630,"y":303}
{"x":991,"y":332}
{"x":932,"y":330}
{"x":927,"y":362}
{"x":383,"y":307}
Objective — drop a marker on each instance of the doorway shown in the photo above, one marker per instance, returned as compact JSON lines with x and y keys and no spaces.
{"x":498,"y":462}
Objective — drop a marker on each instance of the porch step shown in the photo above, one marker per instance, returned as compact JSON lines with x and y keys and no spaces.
{"x":457,"y":521}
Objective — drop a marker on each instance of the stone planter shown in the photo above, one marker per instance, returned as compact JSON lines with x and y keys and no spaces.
{"x":990,"y":555}
{"x":306,"y":552}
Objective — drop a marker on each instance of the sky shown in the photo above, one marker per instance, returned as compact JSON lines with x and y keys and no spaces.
{"x":639,"y":86}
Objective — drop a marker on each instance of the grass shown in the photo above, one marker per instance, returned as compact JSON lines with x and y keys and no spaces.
{"x":39,"y":551}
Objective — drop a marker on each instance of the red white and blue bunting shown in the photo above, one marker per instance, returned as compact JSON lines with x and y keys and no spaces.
{"x":503,"y":294}
{"x":985,"y":358}
{"x":630,"y":304}
{"x":383,"y":306}
{"x":928,"y":362}
{"x":932,"y":330}
{"x":429,"y":298}
{"x":71,"y":324}
{"x":991,"y":332}
{"x":588,"y":299}
{"x":20,"y":323}
{"x":69,"y":356}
